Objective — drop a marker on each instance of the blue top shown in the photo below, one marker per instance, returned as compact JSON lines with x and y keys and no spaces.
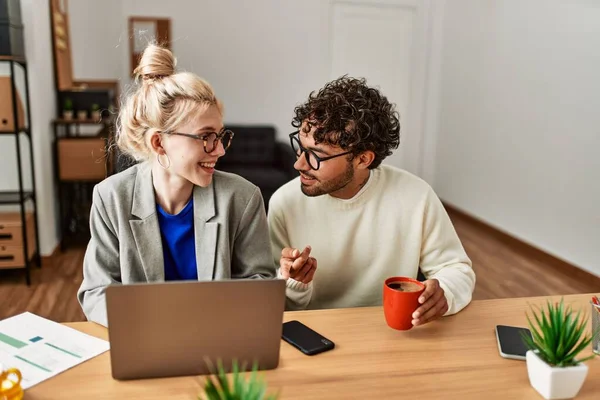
{"x":179,"y":247}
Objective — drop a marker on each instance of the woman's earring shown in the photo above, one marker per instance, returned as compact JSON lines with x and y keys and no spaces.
{"x":161,"y":164}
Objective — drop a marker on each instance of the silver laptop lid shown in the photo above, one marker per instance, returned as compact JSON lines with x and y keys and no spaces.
{"x":180,"y":328}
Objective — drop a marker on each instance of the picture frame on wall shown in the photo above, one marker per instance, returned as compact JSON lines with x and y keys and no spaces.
{"x":146,"y":30}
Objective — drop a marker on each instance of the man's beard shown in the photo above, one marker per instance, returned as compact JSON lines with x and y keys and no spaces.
{"x":333,"y":185}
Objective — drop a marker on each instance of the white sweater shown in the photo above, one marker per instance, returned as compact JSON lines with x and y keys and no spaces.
{"x":393,"y":226}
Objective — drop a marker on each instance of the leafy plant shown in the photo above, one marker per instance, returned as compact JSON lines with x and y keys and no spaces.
{"x":219,"y":387}
{"x":68,"y":106}
{"x":558,"y":335}
{"x":95,"y":107}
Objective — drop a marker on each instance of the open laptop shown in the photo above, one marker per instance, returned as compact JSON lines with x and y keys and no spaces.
{"x":185,"y":328}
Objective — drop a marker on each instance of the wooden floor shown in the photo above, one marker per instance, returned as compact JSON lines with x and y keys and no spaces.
{"x":53,"y":289}
{"x":502,"y":271}
{"x":505,"y":270}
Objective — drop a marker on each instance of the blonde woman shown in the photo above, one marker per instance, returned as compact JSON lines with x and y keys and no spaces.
{"x":172,"y":216}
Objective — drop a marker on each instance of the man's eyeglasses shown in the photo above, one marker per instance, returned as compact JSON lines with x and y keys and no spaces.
{"x":311,"y":158}
{"x":210,"y":139}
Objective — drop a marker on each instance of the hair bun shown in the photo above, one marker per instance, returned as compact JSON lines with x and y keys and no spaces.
{"x":156,"y":62}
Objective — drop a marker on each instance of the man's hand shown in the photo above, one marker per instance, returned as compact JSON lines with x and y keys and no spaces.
{"x":296,"y":265}
{"x":433,"y":303}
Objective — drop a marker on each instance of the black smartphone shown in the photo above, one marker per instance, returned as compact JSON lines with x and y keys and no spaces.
{"x":510,"y":341}
{"x":305,"y":339}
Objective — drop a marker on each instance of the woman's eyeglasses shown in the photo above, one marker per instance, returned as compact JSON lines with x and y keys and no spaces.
{"x":210,"y":139}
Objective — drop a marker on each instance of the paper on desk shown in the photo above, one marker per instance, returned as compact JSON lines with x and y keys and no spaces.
{"x":41,"y":349}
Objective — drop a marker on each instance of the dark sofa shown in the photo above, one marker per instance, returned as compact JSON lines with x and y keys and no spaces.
{"x":258,"y":156}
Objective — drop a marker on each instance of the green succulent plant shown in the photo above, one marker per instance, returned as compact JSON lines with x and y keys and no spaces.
{"x":219,"y":387}
{"x":68,"y":106}
{"x":558,"y":334}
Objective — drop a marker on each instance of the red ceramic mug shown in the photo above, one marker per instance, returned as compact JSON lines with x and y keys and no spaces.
{"x":400,"y":301}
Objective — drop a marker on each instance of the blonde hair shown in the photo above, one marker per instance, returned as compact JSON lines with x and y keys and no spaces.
{"x":161,"y":101}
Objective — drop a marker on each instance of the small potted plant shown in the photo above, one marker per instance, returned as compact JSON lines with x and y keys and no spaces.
{"x":68,"y":109}
{"x":82,"y":115}
{"x":558,"y":336}
{"x":219,"y":387}
{"x":96,"y":114}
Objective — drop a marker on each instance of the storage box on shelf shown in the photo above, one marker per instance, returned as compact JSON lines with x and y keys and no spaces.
{"x":6,"y":107}
{"x":81,"y":159}
{"x":11,"y":239}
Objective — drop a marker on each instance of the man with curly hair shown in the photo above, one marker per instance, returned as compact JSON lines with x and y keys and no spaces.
{"x":361,"y":221}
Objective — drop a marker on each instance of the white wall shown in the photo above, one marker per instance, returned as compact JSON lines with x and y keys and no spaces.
{"x":261,"y":57}
{"x":36,"y":21}
{"x":96,"y":37}
{"x":519,"y":121}
{"x":268,"y":54}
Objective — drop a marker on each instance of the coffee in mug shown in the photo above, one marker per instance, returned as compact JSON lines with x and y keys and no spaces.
{"x":406,"y":286}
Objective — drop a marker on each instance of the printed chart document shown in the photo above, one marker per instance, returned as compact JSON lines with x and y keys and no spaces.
{"x":41,"y":349}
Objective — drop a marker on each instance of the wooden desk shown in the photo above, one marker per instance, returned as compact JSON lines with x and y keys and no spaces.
{"x":456,"y":357}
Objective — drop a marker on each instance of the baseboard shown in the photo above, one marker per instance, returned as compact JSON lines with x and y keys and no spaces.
{"x":48,"y":261}
{"x":553,"y":262}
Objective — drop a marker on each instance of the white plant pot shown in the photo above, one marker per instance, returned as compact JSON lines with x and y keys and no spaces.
{"x":82,"y":115}
{"x":96,"y":115}
{"x":554,"y":382}
{"x":68,"y":115}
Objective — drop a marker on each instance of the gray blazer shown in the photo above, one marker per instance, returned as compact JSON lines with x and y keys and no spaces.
{"x":230,"y":226}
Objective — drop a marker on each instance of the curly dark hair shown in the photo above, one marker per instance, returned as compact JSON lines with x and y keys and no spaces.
{"x":349,"y":114}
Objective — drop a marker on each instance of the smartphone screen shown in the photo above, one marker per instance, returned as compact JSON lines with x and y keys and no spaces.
{"x":510,"y":341}
{"x":305,"y":339}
